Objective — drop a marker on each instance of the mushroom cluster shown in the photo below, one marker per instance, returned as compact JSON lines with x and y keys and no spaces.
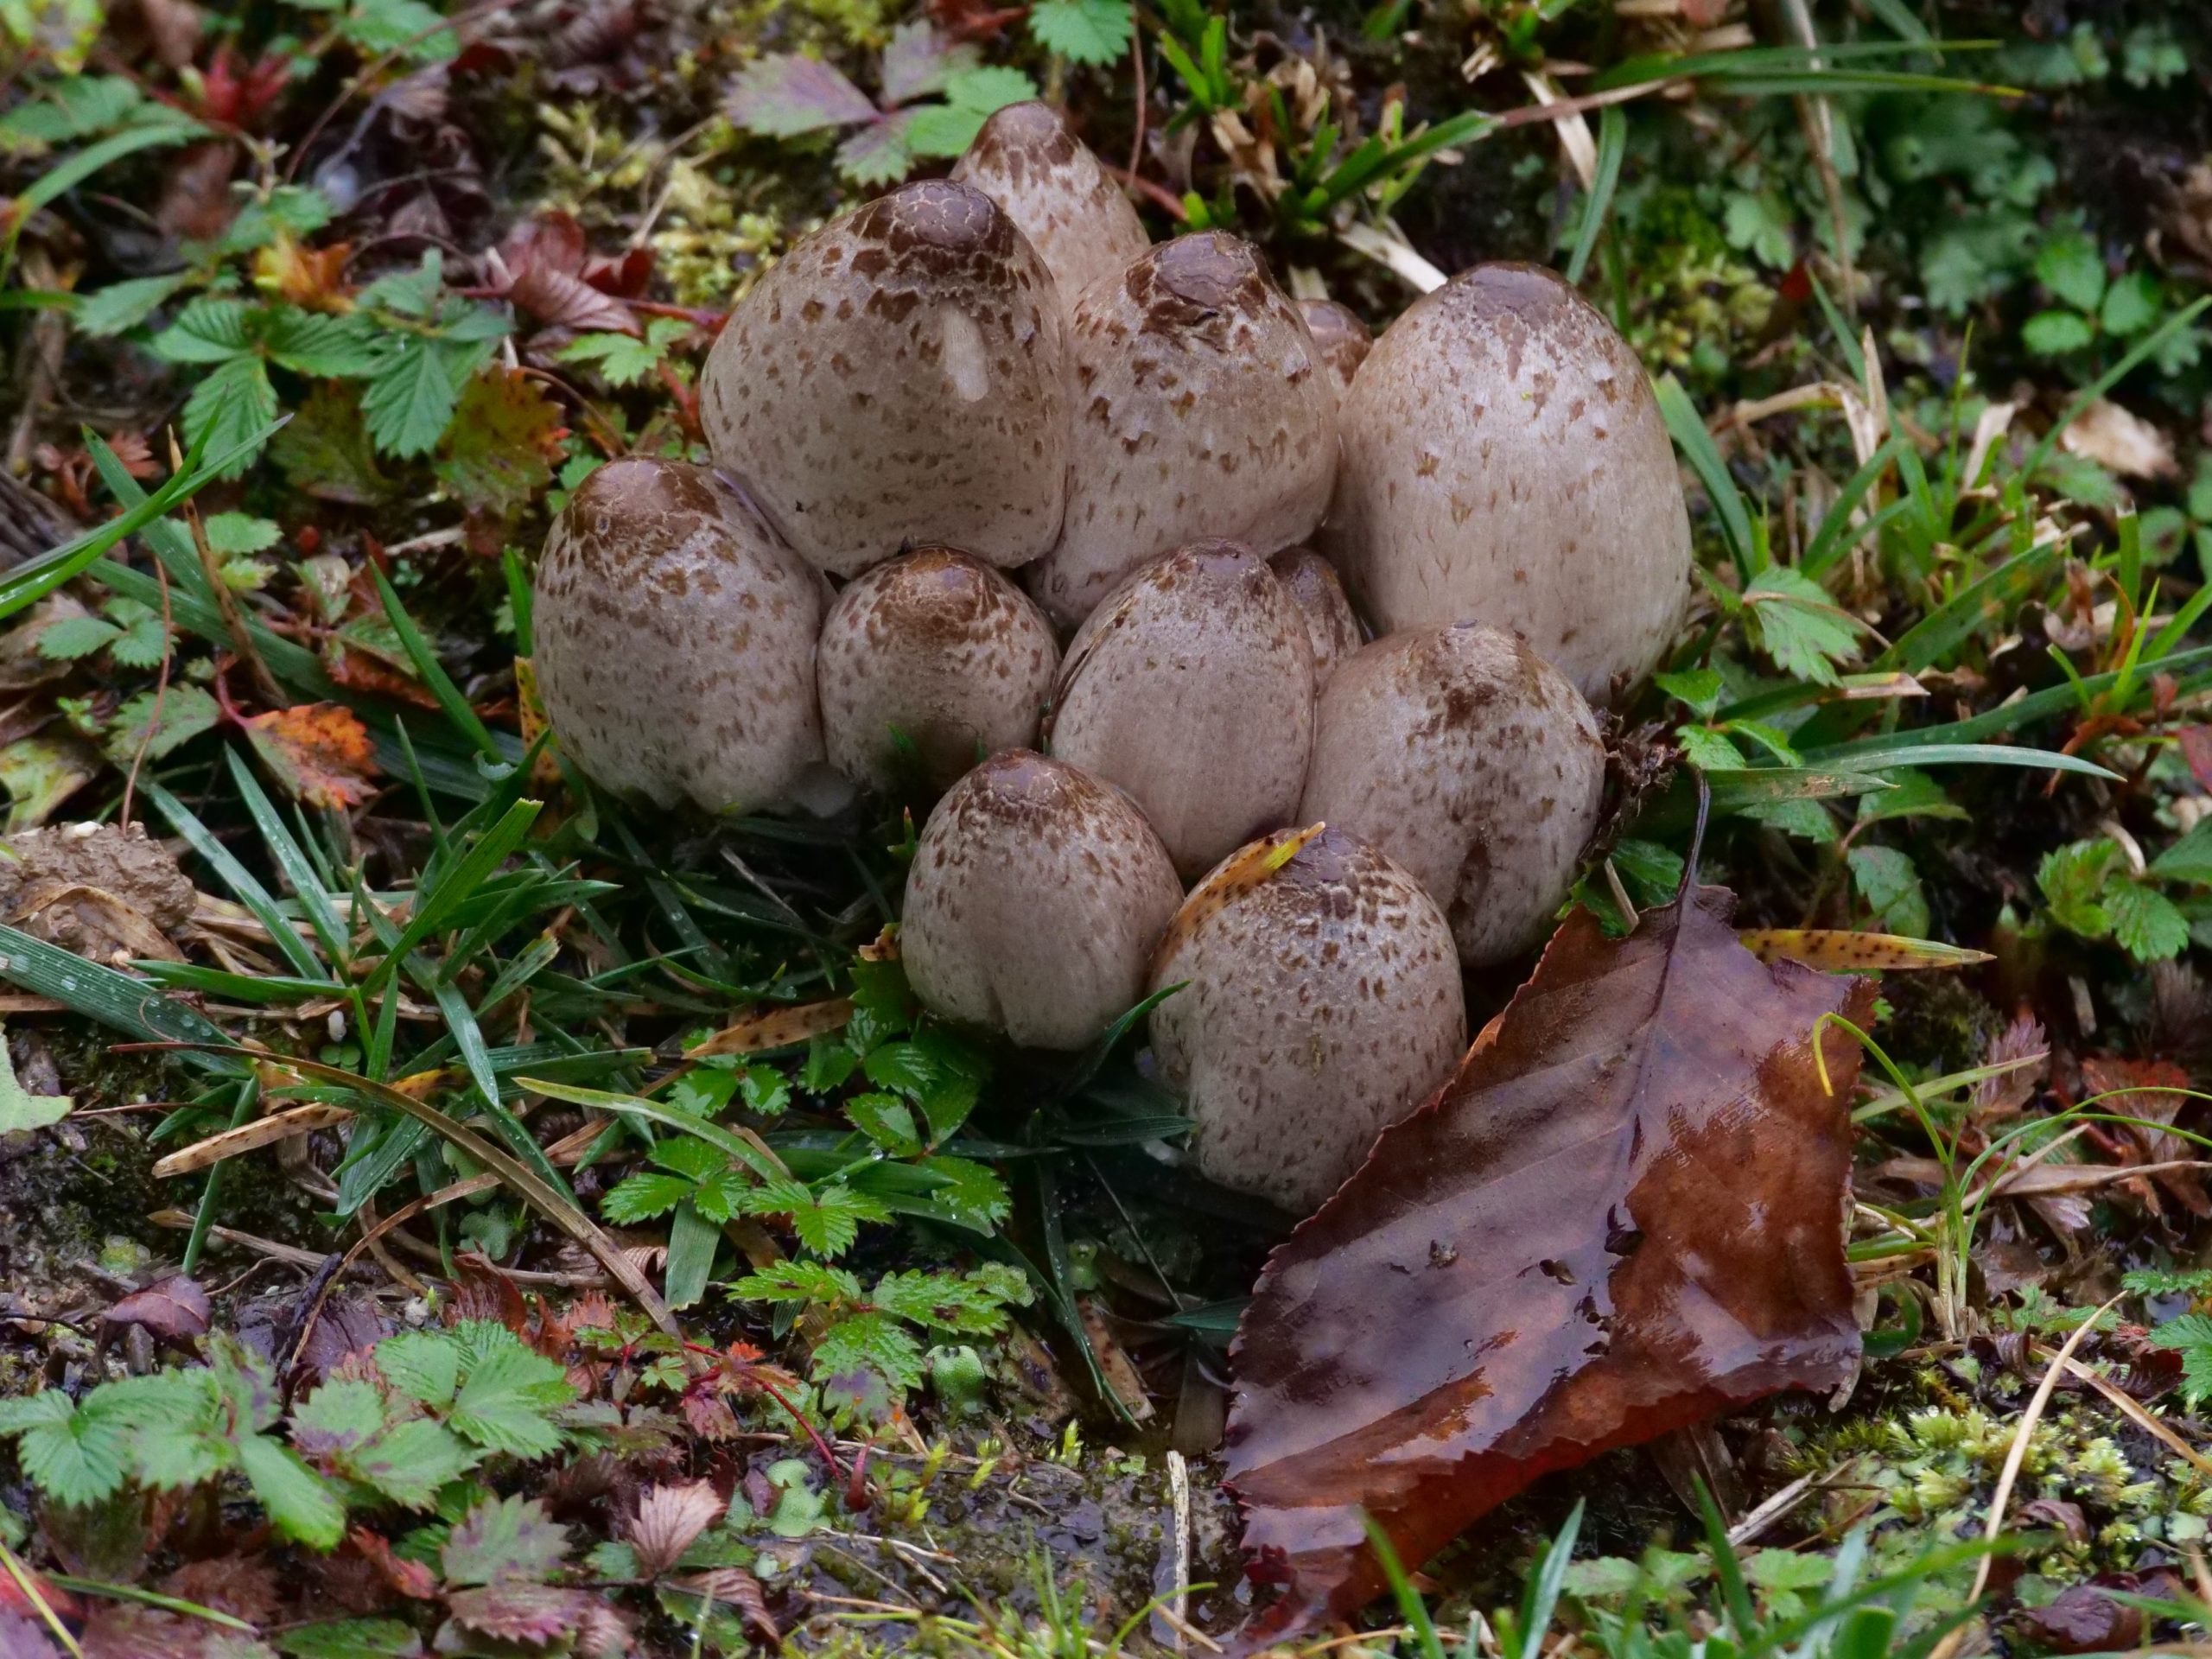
{"x":999,"y":418}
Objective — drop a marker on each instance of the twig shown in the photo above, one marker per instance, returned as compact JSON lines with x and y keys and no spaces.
{"x":1785,"y":1501}
{"x":2132,"y":1410}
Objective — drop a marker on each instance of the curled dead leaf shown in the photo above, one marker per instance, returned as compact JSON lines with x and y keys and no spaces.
{"x":175,"y":1309}
{"x":319,"y":751}
{"x":1624,"y":1214}
{"x":668,"y":1521}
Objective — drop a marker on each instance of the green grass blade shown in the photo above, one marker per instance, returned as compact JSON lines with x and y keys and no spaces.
{"x":433,"y":672}
{"x":1696,"y":444}
{"x":1544,"y":1588}
{"x":117,"y":999}
{"x":749,"y":1151}
{"x":235,"y":876}
{"x":1873,"y":753}
{"x":171,"y":543}
{"x":2150,"y":344}
{"x":1411,"y":1607}
{"x":291,"y":863}
{"x":1837,"y":535}
{"x":34,"y":579}
{"x":1612,"y":144}
{"x":1981,"y":605}
{"x":438,"y":899}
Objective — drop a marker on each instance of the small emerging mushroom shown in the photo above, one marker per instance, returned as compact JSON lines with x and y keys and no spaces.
{"x":1192,"y":687}
{"x":1034,"y":899}
{"x":1506,"y":462}
{"x":1201,"y":409}
{"x":1330,"y":622}
{"x":1343,"y":339}
{"x":1323,"y":1004}
{"x":899,"y":379}
{"x":937,"y":648}
{"x":1471,"y":761}
{"x":675,"y":641}
{"x":1052,"y":187}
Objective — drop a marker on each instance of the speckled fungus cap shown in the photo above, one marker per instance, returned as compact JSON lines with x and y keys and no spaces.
{"x":1201,"y":410}
{"x":899,"y":379}
{"x":1322,"y":1004}
{"x":675,"y":641}
{"x":1052,"y":187}
{"x":1034,"y":899}
{"x":1471,"y":761}
{"x":1506,"y":462}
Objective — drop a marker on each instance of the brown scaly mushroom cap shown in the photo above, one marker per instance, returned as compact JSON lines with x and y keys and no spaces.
{"x":1201,"y":409}
{"x":1052,"y":187}
{"x":937,"y":646}
{"x":1036,"y":894}
{"x":675,"y":641}
{"x":1343,"y":339}
{"x":1504,"y":461}
{"x":1192,"y":687}
{"x":899,"y":379}
{"x":1475,"y":764}
{"x":1330,"y":622}
{"x":1323,"y":1004}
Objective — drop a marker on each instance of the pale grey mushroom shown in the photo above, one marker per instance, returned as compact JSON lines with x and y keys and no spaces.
{"x":1330,"y":621}
{"x":939,"y":649}
{"x":899,"y":379}
{"x":1035,"y":897}
{"x":1322,"y":1004}
{"x":1343,"y":339}
{"x":1052,"y":187}
{"x":1201,"y":409}
{"x":1474,"y":764}
{"x":1192,"y":688}
{"x":1506,"y":462}
{"x":675,"y":641}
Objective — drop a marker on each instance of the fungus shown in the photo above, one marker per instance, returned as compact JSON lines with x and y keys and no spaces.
{"x":1506,"y":462}
{"x":675,"y":641}
{"x":937,"y":648}
{"x":1200,"y":409}
{"x":1471,"y":761}
{"x":899,"y":379}
{"x":1341,"y":338}
{"x":1192,"y":688}
{"x":1052,"y":187}
{"x":1035,"y":896}
{"x":1321,"y":1003}
{"x":1330,"y":623}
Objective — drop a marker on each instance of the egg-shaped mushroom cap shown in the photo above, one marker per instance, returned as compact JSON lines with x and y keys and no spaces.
{"x":1331,"y":623}
{"x":1471,"y":761}
{"x":899,"y":379}
{"x":1201,"y":409}
{"x":1506,"y":462}
{"x":1052,"y":187}
{"x":674,"y":640}
{"x":1192,"y":688}
{"x":1342,"y":339}
{"x":1036,"y":894}
{"x":1323,"y":1004}
{"x":940,"y":650}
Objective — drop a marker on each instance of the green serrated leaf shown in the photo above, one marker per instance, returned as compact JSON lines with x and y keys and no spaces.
{"x":207,"y":331}
{"x":157,"y":724}
{"x":342,"y":1414}
{"x":424,"y":1365}
{"x":411,"y":1462}
{"x":228,"y":407}
{"x":121,"y":306}
{"x":503,"y":1539}
{"x":75,"y":637}
{"x":1886,"y":879}
{"x":2149,"y":925}
{"x":301,"y":1503}
{"x":2071,"y":268}
{"x":506,"y":1403}
{"x":1084,"y":31}
{"x":643,"y":1196}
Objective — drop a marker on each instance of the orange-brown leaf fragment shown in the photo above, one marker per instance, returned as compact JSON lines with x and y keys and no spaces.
{"x":1623,"y":1214}
{"x":319,"y":751}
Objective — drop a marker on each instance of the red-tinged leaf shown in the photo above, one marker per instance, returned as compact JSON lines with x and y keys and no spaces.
{"x":503,"y":1539}
{"x":1624,"y":1214}
{"x":735,"y":1587}
{"x":22,"y":1637}
{"x":534,"y":1614}
{"x":2196,"y":750}
{"x":319,"y":751}
{"x":245,"y":1587}
{"x":174,"y":1309}
{"x":497,"y":455}
{"x":668,"y":1521}
{"x":13,"y":1600}
{"x":562,"y":299}
{"x":126,"y":1630}
{"x":409,"y":1579}
{"x":784,"y":94}
{"x":919,"y":60}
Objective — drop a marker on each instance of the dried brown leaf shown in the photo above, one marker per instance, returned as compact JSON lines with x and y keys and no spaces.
{"x":668,"y":1521}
